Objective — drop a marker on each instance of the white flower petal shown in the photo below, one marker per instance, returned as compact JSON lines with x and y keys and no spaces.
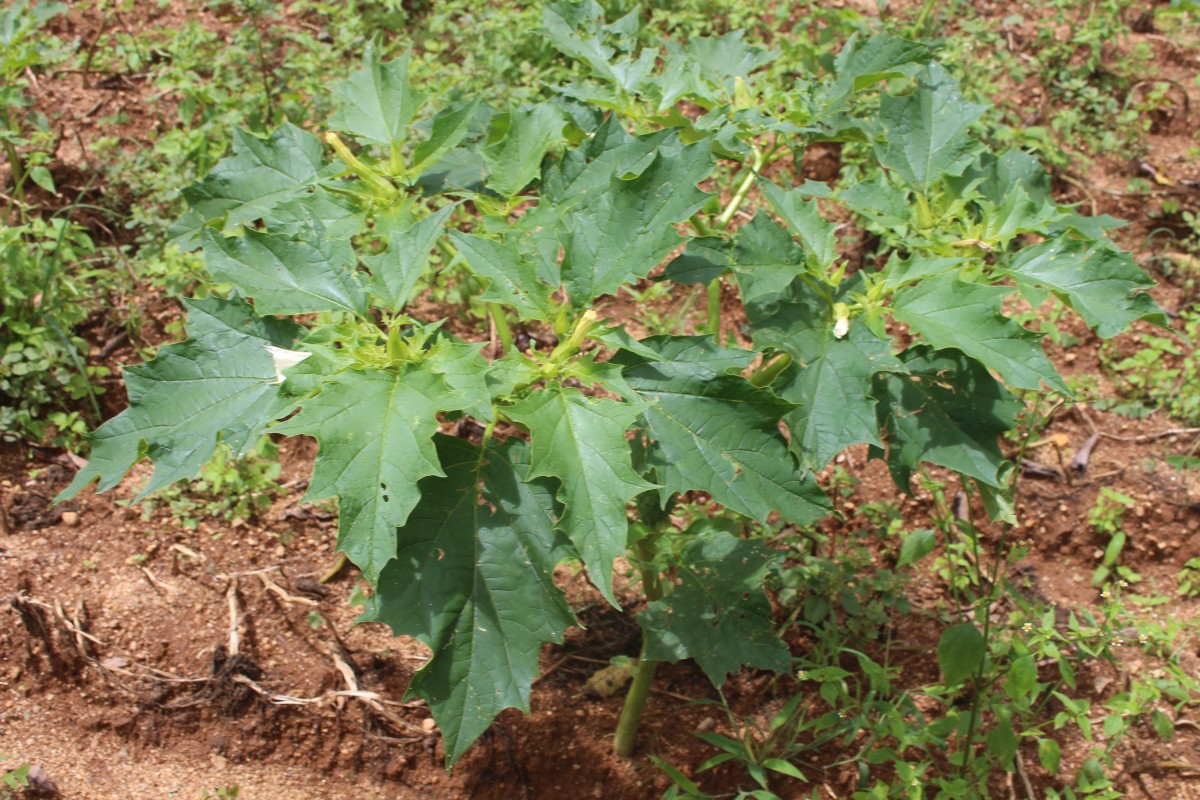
{"x":285,"y":359}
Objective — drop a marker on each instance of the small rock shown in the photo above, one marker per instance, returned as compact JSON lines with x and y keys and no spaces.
{"x":70,"y":519}
{"x":428,"y":725}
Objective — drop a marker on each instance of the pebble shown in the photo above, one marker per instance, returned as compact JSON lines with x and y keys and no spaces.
{"x":70,"y":519}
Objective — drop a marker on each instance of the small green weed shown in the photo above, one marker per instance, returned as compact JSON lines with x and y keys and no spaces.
{"x":1162,"y":373}
{"x":1105,"y":518}
{"x":228,"y":488}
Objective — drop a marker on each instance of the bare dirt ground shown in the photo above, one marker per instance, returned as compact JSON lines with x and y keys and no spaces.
{"x":142,"y":659}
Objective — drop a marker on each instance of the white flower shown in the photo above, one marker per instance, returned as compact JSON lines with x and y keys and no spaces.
{"x":285,"y":359}
{"x":841,"y":320}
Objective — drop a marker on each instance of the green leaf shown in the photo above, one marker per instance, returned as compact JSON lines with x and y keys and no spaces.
{"x":950,"y":313}
{"x":375,"y":430}
{"x":1164,"y":726}
{"x":581,"y":441}
{"x":336,"y":213}
{"x":1022,"y":677}
{"x":1002,"y":741}
{"x":287,"y":275}
{"x":586,"y":171}
{"x":925,"y":133}
{"x":717,"y":432}
{"x":879,"y":201}
{"x":1049,"y":755}
{"x":395,"y":271}
{"x":898,"y":272}
{"x":960,"y":652}
{"x":703,"y":260}
{"x":449,"y":127}
{"x":377,"y":102}
{"x":216,"y":387}
{"x":948,"y":411}
{"x":765,"y":258}
{"x":803,"y":218}
{"x":831,"y":379}
{"x":1099,"y":282}
{"x":473,"y":578}
{"x":624,"y":233}
{"x":863,"y":63}
{"x":783,"y":768}
{"x":258,"y":176}
{"x":916,"y":545}
{"x":717,"y":613}
{"x":566,"y":22}
{"x":512,"y":278}
{"x":519,"y":141}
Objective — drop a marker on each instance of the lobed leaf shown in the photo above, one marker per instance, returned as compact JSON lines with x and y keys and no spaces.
{"x":831,"y":380}
{"x":1099,"y":282}
{"x":257,"y":177}
{"x":375,"y":432}
{"x":950,"y":313}
{"x":717,"y":432}
{"x":286,"y":274}
{"x":581,"y":441}
{"x":623,"y":234}
{"x":925,"y":134}
{"x":717,"y":613}
{"x":377,"y":102}
{"x":216,"y":387}
{"x":473,"y":578}
{"x":395,"y":271}
{"x":947,"y":410}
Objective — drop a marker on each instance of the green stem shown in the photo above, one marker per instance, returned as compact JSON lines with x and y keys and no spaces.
{"x":700,"y":226}
{"x":17,"y":170}
{"x":714,"y":309}
{"x":739,"y":196}
{"x":643,"y":675}
{"x":918,"y":28}
{"x":496,"y":312}
{"x":984,"y":606}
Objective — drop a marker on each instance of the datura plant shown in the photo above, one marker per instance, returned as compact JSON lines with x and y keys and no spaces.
{"x":636,"y":171}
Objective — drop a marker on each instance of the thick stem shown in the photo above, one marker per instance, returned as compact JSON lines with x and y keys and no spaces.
{"x":643,"y":675}
{"x":635,"y":702}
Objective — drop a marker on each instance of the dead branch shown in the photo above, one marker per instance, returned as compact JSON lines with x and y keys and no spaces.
{"x":271,"y":586}
{"x":1079,"y":463}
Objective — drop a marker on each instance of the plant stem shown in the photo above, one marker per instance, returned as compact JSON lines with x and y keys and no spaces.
{"x":496,"y":312}
{"x":986,"y":602}
{"x":739,"y":196}
{"x":714,"y":309}
{"x":643,"y":675}
{"x":735,"y":202}
{"x":16,"y":169}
